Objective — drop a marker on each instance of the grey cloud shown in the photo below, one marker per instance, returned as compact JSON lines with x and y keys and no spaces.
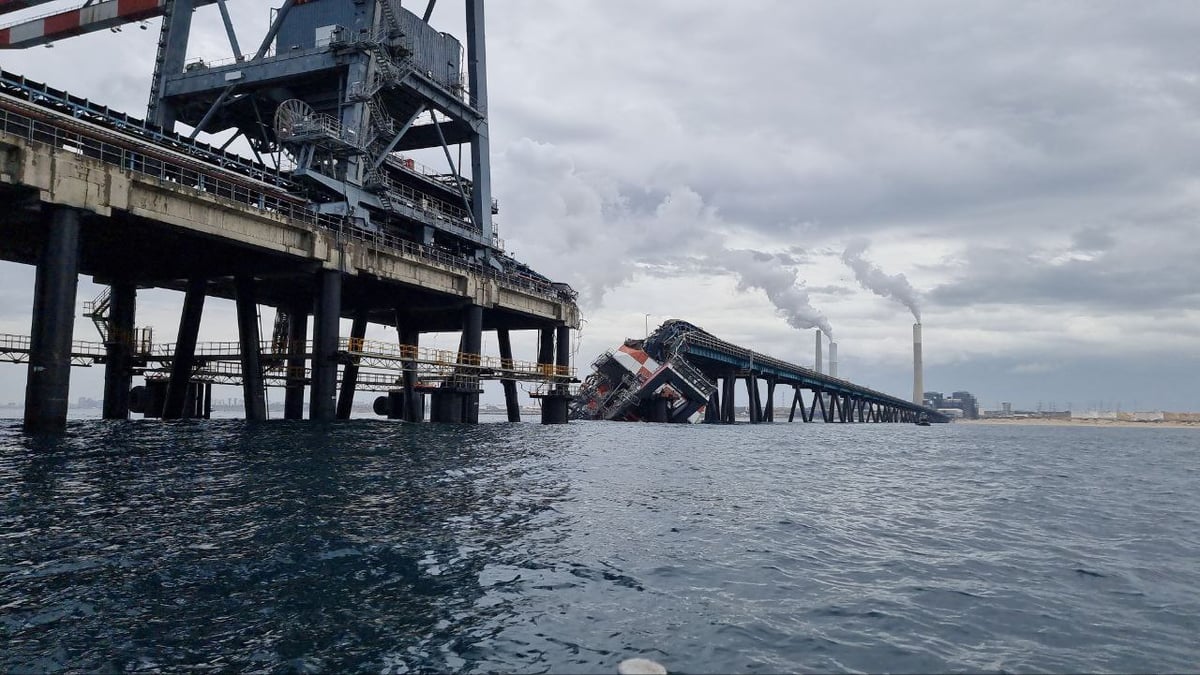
{"x":883,"y":118}
{"x":1093,"y":239}
{"x":1141,"y":280}
{"x":842,"y":291}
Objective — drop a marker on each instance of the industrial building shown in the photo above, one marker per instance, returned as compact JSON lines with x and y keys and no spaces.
{"x":958,"y":404}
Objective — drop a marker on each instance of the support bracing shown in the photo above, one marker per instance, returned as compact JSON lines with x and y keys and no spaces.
{"x":511,"y":405}
{"x":49,"y":376}
{"x":118,"y":373}
{"x":322,"y":405}
{"x":358,"y":331}
{"x":254,"y":393}
{"x":184,"y":359}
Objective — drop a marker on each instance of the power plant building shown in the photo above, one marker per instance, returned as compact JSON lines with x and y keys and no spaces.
{"x":959,"y":404}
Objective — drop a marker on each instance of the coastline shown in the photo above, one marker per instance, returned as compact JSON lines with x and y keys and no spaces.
{"x":1032,"y":421}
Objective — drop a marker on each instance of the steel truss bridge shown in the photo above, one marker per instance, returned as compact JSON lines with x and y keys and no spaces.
{"x":830,"y":399}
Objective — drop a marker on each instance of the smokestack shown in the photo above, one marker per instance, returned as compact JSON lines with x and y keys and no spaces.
{"x":918,"y":367}
{"x":832,"y":358}
{"x":818,"y":361}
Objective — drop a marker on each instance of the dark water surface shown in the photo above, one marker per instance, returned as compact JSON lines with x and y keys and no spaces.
{"x":387,"y":548}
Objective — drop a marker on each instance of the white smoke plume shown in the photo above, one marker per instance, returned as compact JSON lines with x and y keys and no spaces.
{"x":873,"y":279}
{"x":764,"y":271}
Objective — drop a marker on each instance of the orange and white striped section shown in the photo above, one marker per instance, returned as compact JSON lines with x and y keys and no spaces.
{"x":95,"y":16}
{"x":636,"y":361}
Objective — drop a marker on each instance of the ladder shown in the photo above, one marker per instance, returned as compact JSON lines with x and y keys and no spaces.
{"x":159,"y":56}
{"x":279,"y":334}
{"x":389,"y":16}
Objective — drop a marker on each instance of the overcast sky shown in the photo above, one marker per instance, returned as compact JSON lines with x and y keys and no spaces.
{"x":1030,"y":168}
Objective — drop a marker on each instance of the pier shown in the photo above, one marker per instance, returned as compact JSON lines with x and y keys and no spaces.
{"x":327,"y":221}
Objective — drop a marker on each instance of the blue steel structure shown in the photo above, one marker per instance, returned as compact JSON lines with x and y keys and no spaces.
{"x":337,"y":88}
{"x":334,"y":90}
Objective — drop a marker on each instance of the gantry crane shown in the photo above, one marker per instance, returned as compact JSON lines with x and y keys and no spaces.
{"x":333,"y":92}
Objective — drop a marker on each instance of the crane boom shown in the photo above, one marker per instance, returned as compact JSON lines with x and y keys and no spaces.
{"x":7,"y":6}
{"x":86,"y":19}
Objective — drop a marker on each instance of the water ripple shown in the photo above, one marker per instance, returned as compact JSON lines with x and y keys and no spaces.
{"x":392,"y":548}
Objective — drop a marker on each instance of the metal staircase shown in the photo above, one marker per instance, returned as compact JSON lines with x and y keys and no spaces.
{"x":389,"y":16}
{"x":279,"y":333}
{"x":97,"y":311}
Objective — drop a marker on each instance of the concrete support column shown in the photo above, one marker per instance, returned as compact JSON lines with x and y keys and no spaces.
{"x":118,"y":376}
{"x":414,"y":402}
{"x":562,"y":356}
{"x":472,"y":348}
{"x":293,"y":397}
{"x":358,"y":331}
{"x":752,"y":399}
{"x":769,"y":410}
{"x":254,"y":395}
{"x":445,"y":406}
{"x":545,"y":347}
{"x":728,"y":412}
{"x":48,"y":379}
{"x":712,"y":411}
{"x":555,"y":404}
{"x":511,"y":404}
{"x":322,"y":405}
{"x":185,"y":348}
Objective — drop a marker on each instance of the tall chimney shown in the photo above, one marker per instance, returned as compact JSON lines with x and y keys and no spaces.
{"x":832,"y":358}
{"x":818,"y":361}
{"x":918,"y":367}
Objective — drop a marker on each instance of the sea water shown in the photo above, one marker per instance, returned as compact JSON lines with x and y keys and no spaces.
{"x":382,"y":547}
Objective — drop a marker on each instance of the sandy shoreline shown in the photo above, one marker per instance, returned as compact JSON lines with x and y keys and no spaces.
{"x":1080,"y":423}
